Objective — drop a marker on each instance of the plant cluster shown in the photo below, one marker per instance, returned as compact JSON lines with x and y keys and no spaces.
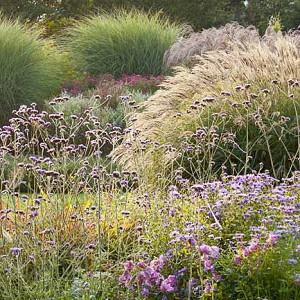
{"x":198,"y":43}
{"x":88,"y":232}
{"x":209,"y":118}
{"x":31,"y":68}
{"x":191,"y":194}
{"x":212,"y":12}
{"x":122,"y":43}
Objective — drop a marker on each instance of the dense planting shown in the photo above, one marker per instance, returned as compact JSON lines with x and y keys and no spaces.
{"x":124,"y":42}
{"x":86,"y":231}
{"x":209,"y":118}
{"x":31,"y":68}
{"x":132,"y":185}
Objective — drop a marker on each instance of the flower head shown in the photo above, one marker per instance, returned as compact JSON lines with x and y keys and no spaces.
{"x":169,"y":285}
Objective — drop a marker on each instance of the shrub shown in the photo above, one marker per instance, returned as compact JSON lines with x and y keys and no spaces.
{"x":198,"y":13}
{"x":31,"y":68}
{"x":198,"y":43}
{"x":122,"y":42}
{"x":234,"y":110}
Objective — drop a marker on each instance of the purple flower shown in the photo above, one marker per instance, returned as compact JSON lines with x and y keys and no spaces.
{"x":141,"y":265}
{"x":213,"y":252}
{"x":205,"y":249}
{"x":15,"y":251}
{"x":254,"y":245}
{"x":208,"y":265}
{"x":216,"y":277}
{"x":207,"y":287}
{"x":169,"y":285}
{"x":273,"y":238}
{"x":158,"y":264}
{"x":149,"y":277}
{"x":125,"y":278}
{"x":292,"y":261}
{"x":129,"y":265}
{"x":145,"y":292}
{"x":181,"y":272}
{"x":237,"y":260}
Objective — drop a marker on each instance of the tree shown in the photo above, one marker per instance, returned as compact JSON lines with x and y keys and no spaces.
{"x":258,"y":12}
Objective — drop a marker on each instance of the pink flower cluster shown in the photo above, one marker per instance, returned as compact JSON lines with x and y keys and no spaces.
{"x":142,"y":82}
{"x":255,"y":246}
{"x":148,"y":277}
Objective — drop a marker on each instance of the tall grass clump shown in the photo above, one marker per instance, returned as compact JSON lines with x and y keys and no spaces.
{"x":198,"y":43}
{"x":236,"y":111}
{"x":123,"y":42}
{"x":31,"y":68}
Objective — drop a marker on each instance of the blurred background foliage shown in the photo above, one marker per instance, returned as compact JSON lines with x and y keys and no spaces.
{"x":54,"y":15}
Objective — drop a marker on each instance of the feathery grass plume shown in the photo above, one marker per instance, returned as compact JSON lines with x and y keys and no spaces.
{"x":197,"y":43}
{"x":235,"y":86}
{"x":31,"y":67}
{"x":122,"y":42}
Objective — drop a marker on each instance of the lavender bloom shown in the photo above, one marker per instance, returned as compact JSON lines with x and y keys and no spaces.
{"x":208,"y":265}
{"x":125,"y":278}
{"x":145,"y":292}
{"x":205,"y":249}
{"x":273,"y":238}
{"x":213,"y":252}
{"x":129,"y":265}
{"x":149,"y":277}
{"x":16,"y":251}
{"x":169,"y":285}
{"x":158,"y":264}
{"x":237,"y":260}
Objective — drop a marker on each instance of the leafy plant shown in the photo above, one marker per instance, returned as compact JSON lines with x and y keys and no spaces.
{"x":123,"y":42}
{"x":198,"y":43}
{"x":207,"y":118}
{"x":31,"y":68}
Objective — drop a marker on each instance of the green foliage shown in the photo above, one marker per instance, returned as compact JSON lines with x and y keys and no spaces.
{"x":258,"y":12}
{"x":106,"y":114}
{"x":265,"y":136}
{"x":207,"y":119}
{"x":121,"y":43}
{"x":276,"y":24}
{"x":198,"y":13}
{"x":31,"y":68}
{"x":267,"y":275}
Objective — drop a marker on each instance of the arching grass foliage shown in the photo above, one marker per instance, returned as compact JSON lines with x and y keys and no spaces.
{"x":123,"y":42}
{"x":31,"y":67}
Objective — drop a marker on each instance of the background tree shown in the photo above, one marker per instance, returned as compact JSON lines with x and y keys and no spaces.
{"x":198,"y":13}
{"x":258,"y":12}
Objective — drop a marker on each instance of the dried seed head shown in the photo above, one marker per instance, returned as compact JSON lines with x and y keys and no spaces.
{"x":239,"y":88}
{"x":226,"y":94}
{"x":253,"y":96}
{"x":208,"y":99}
{"x":266,"y":91}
